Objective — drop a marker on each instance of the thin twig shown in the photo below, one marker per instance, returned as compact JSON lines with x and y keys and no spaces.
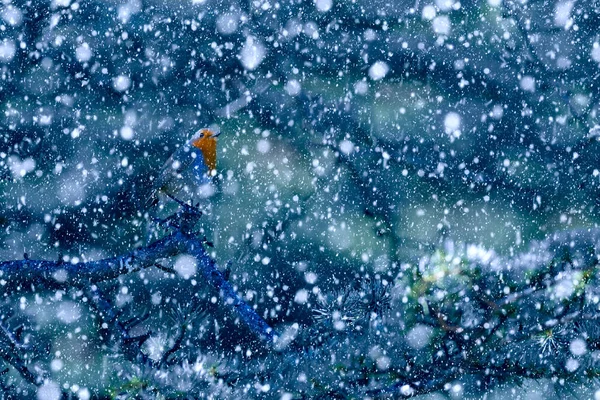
{"x":11,"y":351}
{"x":120,"y":333}
{"x":176,"y":345}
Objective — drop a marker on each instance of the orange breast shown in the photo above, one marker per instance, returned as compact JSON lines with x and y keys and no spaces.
{"x":208,"y":147}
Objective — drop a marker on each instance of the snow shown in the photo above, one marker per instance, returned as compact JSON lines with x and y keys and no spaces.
{"x":480,"y":254}
{"x":293,"y":87}
{"x":456,"y":389}
{"x":130,"y":118}
{"x":441,"y":25}
{"x":263,"y":146}
{"x":361,"y":87}
{"x":49,"y":391}
{"x":19,"y":168}
{"x":84,"y":394}
{"x":571,"y":365}
{"x":565,"y":287}
{"x":366,"y":147}
{"x":378,"y":70}
{"x":452,"y":122}
{"x":580,"y":101}
{"x":594,"y":132}
{"x":262,"y":388}
{"x":383,"y":363}
{"x":83,"y":53}
{"x":56,"y":365}
{"x":44,"y":119}
{"x":70,"y":190}
{"x":497,"y":112}
{"x":155,"y":347}
{"x":527,"y":83}
{"x":370,"y":35}
{"x":406,"y":390}
{"x":121,"y":83}
{"x":7,"y":50}
{"x":578,"y":347}
{"x":310,"y":278}
{"x":127,"y":133}
{"x":68,"y":312}
{"x":563,"y":62}
{"x":311,"y":30}
{"x":418,"y":337}
{"x":186,"y":266}
{"x":324,"y":5}
{"x":429,"y":12}
{"x":293,"y":28}
{"x":346,"y":147}
{"x":595,"y":53}
{"x":252,"y":54}
{"x":562,"y":14}
{"x":301,"y":296}
{"x":12,"y":15}
{"x":60,"y":275}
{"x":60,"y":3}
{"x":444,"y":5}
{"x":227,"y":23}
{"x":127,"y":10}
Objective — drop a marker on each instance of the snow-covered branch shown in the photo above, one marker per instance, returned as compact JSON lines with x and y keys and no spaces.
{"x":30,"y":275}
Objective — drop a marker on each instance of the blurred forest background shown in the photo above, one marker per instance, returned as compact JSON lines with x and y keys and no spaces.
{"x":356,"y":135}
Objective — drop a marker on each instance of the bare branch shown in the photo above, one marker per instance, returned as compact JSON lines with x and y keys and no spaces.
{"x":10,"y":351}
{"x":30,"y":274}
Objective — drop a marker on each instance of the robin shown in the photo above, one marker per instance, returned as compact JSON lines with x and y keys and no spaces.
{"x":191,"y":165}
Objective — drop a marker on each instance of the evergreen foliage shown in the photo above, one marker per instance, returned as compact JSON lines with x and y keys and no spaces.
{"x":406,"y":201}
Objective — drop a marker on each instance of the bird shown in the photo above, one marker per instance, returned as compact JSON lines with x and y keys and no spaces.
{"x":193,"y":164}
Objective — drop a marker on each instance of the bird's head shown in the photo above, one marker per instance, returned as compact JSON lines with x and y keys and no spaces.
{"x":204,"y":135}
{"x":205,"y":140}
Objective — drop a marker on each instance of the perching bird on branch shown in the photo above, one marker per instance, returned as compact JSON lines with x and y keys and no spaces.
{"x":191,"y":165}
